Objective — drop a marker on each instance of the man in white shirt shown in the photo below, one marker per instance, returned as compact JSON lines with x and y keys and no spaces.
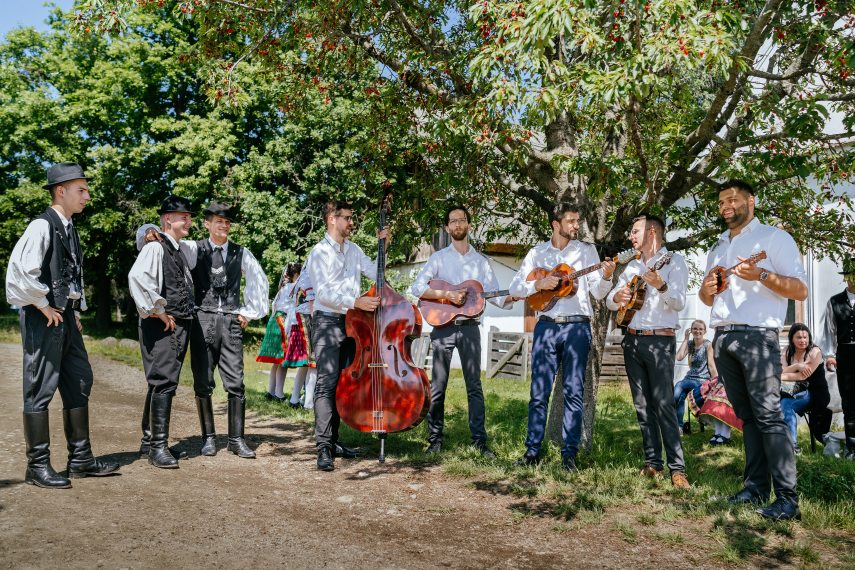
{"x":747,"y":316}
{"x":454,"y":264}
{"x":334,"y":268}
{"x":45,"y":278}
{"x":650,"y":344}
{"x":563,"y":332}
{"x":162,"y":288}
{"x":838,"y":343}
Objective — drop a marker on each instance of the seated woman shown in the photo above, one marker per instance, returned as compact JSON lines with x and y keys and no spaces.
{"x":710,"y":405}
{"x":802,"y":364}
{"x":701,"y":367}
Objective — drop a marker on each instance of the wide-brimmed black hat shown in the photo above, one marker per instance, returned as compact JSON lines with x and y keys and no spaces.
{"x":848,"y":266}
{"x":220,"y":209}
{"x":174,"y":203}
{"x":63,"y":172}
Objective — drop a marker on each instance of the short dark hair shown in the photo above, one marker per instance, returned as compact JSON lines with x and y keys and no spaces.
{"x":561,"y":208}
{"x":735,"y":183}
{"x":454,"y":207}
{"x":657,"y":222}
{"x":334,"y":207}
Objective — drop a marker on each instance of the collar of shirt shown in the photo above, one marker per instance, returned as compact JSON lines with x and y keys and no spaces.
{"x":224,"y":247}
{"x":750,"y":227}
{"x":334,"y":245}
{"x":65,"y":221}
{"x":171,"y":240}
{"x":851,"y":296}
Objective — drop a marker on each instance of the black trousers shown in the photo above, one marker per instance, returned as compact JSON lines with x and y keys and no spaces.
{"x":467,"y":340}
{"x":650,"y":368}
{"x":216,"y":340}
{"x":333,"y":353}
{"x":749,"y":363}
{"x":54,"y":357}
{"x":846,"y":386}
{"x":163,"y":352}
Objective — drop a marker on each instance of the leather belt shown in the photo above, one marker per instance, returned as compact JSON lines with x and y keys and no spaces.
{"x":465,"y":322}
{"x":73,"y":304}
{"x":566,"y":319}
{"x":744,"y":328}
{"x":651,"y":332}
{"x":330,"y":314}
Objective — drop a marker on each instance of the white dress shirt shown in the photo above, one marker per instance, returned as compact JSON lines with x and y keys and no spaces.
{"x":828,"y":342}
{"x":335,"y":274}
{"x":257,"y":287}
{"x":25,"y":266}
{"x":145,"y":279}
{"x":660,"y":310}
{"x":447,"y":264}
{"x":750,"y":302}
{"x":578,"y":255}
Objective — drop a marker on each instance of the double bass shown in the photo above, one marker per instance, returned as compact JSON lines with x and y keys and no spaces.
{"x":382,"y":391}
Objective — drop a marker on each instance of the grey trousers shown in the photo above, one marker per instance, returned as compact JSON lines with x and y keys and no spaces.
{"x":333,"y":352}
{"x":467,"y":340}
{"x":649,"y":362}
{"x":163,"y":352}
{"x":216,"y":340}
{"x":749,"y":363}
{"x":54,"y":357}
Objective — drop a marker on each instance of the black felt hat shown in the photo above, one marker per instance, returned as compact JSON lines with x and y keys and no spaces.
{"x":220,"y":209}
{"x":63,"y":172}
{"x":174,"y":203}
{"x":848,"y":266}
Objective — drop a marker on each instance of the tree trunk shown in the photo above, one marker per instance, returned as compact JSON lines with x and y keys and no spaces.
{"x":592,"y":380}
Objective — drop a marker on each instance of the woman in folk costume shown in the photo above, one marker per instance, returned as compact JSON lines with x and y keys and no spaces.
{"x":274,"y":344}
{"x":298,"y":353}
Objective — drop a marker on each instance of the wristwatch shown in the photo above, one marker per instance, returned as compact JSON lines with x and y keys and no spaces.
{"x":664,"y":287}
{"x":764,"y":275}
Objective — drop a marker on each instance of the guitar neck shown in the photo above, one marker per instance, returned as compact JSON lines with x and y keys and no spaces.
{"x":492,"y":294}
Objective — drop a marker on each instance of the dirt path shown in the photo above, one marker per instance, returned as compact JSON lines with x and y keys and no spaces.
{"x":275,"y":511}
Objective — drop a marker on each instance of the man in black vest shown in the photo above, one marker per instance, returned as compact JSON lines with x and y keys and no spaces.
{"x":839,"y":345}
{"x":162,"y":288}
{"x":45,"y":278}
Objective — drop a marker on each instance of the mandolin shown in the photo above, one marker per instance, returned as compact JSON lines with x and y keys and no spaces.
{"x":568,"y":284}
{"x":721,"y":274}
{"x":638,"y":290}
{"x":440,"y":312}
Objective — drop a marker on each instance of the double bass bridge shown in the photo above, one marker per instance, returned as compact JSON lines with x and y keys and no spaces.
{"x":377,"y":365}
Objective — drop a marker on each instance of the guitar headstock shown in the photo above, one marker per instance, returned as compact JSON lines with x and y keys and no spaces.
{"x":757,"y":257}
{"x":626,"y":256}
{"x":663,"y":261}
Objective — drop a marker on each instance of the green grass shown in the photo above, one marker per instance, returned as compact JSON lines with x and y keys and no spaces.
{"x":607,"y":492}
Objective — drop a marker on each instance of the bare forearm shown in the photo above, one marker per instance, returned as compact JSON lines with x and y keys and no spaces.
{"x":788,"y":287}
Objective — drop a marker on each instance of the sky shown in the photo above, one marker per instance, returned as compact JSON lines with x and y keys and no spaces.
{"x":17,"y":13}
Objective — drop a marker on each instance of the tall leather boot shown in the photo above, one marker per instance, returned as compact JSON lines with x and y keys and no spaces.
{"x":145,"y":442}
{"x":849,"y":426}
{"x":81,"y":462}
{"x":39,"y":470}
{"x":206,"y":420}
{"x":237,"y":445}
{"x":161,"y":410}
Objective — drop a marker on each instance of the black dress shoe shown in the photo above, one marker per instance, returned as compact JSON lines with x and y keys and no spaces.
{"x":568,"y":462}
{"x":433,"y":447}
{"x":783,"y":509}
{"x":325,"y":460}
{"x":344,"y":452}
{"x":745,"y":497}
{"x":484,"y":450}
{"x":528,"y":459}
{"x":687,"y":428}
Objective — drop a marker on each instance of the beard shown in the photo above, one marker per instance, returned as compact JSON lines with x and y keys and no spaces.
{"x":740,"y":215}
{"x":458,"y":234}
{"x":567,"y":235}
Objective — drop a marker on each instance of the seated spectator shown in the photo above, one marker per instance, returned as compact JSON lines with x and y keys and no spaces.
{"x":802,"y":364}
{"x":710,"y":405}
{"x":701,"y":367}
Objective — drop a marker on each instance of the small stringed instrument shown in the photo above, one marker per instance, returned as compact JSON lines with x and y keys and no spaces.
{"x":721,"y":274}
{"x":440,"y":312}
{"x":567,"y":287}
{"x":638,"y":290}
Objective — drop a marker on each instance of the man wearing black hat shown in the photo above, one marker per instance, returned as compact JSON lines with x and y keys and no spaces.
{"x":216,"y":338}
{"x":162,"y":288}
{"x":45,"y":278}
{"x":839,"y":344}
{"x":748,"y":311}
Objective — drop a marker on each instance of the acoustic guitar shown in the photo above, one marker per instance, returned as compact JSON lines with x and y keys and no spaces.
{"x":638,"y":291}
{"x":440,"y":312}
{"x":721,"y":274}
{"x":568,"y":284}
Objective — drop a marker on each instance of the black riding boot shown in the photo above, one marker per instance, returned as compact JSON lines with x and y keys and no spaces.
{"x":161,"y":410}
{"x":237,"y":445}
{"x":145,"y":442}
{"x":39,"y":470}
{"x":81,"y":462}
{"x":206,"y":420}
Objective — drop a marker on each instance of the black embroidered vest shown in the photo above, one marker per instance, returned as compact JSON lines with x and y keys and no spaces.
{"x":62,"y":266}
{"x":177,"y":286}
{"x":210,"y":289}
{"x":844,"y":318}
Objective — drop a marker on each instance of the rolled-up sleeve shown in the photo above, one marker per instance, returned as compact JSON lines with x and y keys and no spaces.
{"x":427,"y":272}
{"x":25,"y":266}
{"x":256,"y":290}
{"x":678,"y":282}
{"x":146,"y":279}
{"x":519,"y":287}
